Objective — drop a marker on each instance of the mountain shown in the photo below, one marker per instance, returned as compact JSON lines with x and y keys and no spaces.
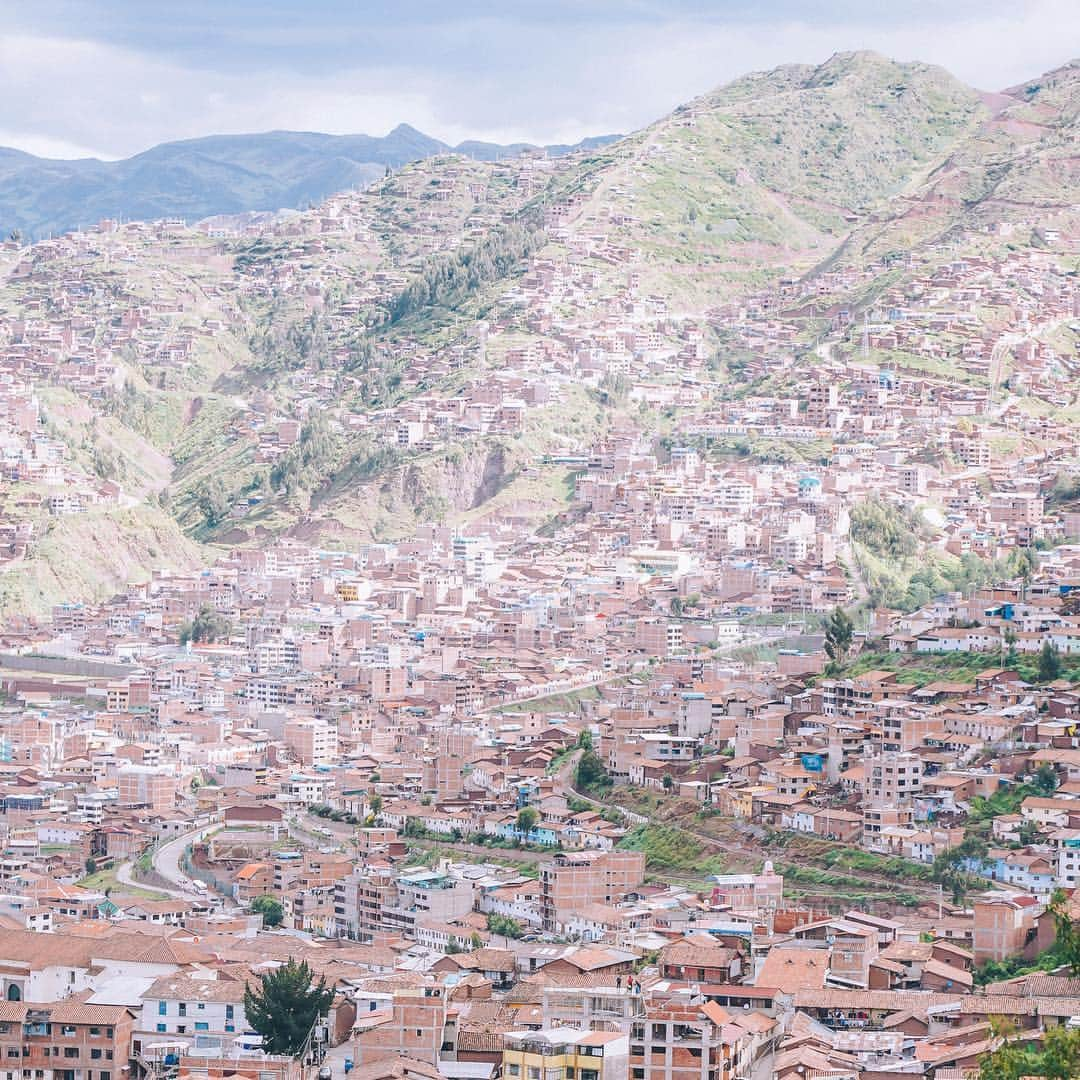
{"x":220,"y":174}
{"x":730,"y":251}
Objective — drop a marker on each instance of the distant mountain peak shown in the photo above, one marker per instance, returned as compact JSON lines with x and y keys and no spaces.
{"x":217,"y":174}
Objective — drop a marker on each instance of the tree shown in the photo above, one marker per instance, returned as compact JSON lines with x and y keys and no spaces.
{"x":527,"y":820}
{"x":208,"y":625}
{"x":584,"y":740}
{"x":1067,"y":932}
{"x":91,"y":867}
{"x":270,"y":909}
{"x":1010,"y":640}
{"x":1018,"y":1055}
{"x":1046,"y":779}
{"x":590,"y":773}
{"x":285,"y":1005}
{"x":375,"y":803}
{"x":669,"y":781}
{"x":504,"y":926}
{"x":214,"y":502}
{"x":839,"y":632}
{"x":1049,"y":663}
{"x":949,"y":869}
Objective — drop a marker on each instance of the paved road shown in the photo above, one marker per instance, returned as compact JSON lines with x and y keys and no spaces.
{"x":166,"y":861}
{"x":123,"y":877}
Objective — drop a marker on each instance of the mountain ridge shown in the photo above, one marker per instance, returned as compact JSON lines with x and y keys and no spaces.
{"x":218,"y":174}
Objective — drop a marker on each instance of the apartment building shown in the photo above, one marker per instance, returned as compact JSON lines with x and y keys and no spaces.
{"x":572,"y":880}
{"x":153,"y":786}
{"x":679,"y":1041}
{"x":66,"y":1040}
{"x":565,"y":1053}
{"x":313,"y":742}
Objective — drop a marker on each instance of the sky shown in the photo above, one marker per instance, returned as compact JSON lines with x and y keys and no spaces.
{"x":108,"y":78}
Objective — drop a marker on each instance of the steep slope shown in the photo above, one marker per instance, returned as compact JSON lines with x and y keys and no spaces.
{"x":220,"y":174}
{"x":1013,"y":179}
{"x":768,"y":174}
{"x":447,"y":343}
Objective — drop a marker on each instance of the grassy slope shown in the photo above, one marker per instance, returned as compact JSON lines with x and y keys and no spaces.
{"x":89,"y":556}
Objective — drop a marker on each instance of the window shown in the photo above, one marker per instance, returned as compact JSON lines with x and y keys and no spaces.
{"x":105,"y":1076}
{"x":68,"y":1029}
{"x":570,"y":1072}
{"x":201,"y":1025}
{"x":534,"y":1073}
{"x":229,"y":1012}
{"x":230,"y":1027}
{"x":201,"y":1006}
{"x":161,"y":1027}
{"x":162,"y":1008}
{"x":513,"y":1070}
{"x":95,"y":1031}
{"x":182,"y":1008}
{"x":71,"y":1051}
{"x":95,"y":1054}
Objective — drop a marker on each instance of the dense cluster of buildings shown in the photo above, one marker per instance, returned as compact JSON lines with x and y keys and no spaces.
{"x":383,"y":741}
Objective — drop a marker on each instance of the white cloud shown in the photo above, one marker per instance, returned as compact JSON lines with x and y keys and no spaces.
{"x":73,"y":97}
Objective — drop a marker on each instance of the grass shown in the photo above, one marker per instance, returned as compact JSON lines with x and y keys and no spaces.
{"x":105,"y":880}
{"x":922,"y":668}
{"x":667,"y":847}
{"x":554,"y":703}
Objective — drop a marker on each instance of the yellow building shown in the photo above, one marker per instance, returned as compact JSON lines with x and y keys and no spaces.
{"x":565,"y":1053}
{"x":347,"y":591}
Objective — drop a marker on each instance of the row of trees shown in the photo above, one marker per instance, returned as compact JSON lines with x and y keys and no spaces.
{"x":446,"y":280}
{"x":207,"y":626}
{"x":304,"y":466}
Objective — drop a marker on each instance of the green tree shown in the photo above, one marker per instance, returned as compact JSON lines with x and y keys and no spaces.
{"x":1058,"y":1058}
{"x":527,"y":820}
{"x":270,"y":909}
{"x":1046,"y":779}
{"x":1067,"y":932}
{"x":91,"y":867}
{"x":669,"y":781}
{"x":949,"y":868}
{"x":591,"y":773}
{"x":504,"y":926}
{"x":208,"y":625}
{"x":1049,"y":663}
{"x":376,"y":804}
{"x":214,"y":502}
{"x":584,"y":740}
{"x":839,"y":633}
{"x":284,"y":1006}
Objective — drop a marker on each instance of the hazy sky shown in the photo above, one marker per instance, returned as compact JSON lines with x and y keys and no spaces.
{"x":112,"y":77}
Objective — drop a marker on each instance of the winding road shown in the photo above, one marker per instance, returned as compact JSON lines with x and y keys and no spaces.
{"x":166,"y":861}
